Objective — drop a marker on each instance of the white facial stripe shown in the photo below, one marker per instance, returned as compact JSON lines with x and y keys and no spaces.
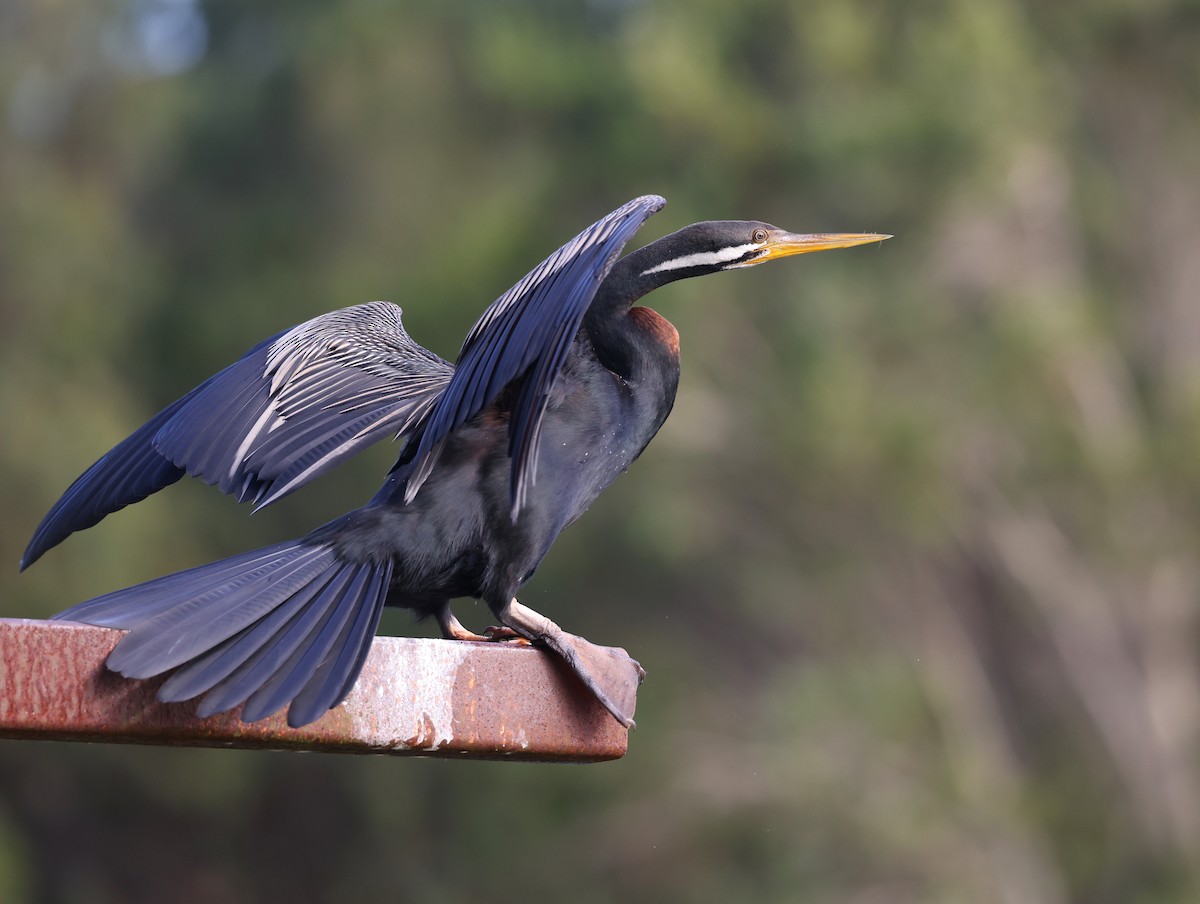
{"x":703,"y":258}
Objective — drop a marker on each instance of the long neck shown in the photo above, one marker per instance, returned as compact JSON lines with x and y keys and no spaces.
{"x":618,"y":340}
{"x":638,"y":274}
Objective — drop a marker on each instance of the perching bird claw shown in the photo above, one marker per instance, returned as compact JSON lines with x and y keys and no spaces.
{"x":453,"y":629}
{"x":500,"y":634}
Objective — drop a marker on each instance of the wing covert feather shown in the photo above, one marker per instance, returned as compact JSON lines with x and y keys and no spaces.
{"x":289,"y":410}
{"x":526,"y":333}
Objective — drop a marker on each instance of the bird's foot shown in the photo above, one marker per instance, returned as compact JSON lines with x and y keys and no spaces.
{"x":608,"y":672}
{"x":501,"y":634}
{"x":453,"y":629}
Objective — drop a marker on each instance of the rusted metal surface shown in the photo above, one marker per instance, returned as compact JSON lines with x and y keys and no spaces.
{"x":415,"y":697}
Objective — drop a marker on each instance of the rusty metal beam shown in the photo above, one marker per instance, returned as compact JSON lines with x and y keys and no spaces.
{"x":415,"y":697}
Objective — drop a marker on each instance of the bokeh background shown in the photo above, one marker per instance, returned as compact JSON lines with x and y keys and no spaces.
{"x":913,"y":567}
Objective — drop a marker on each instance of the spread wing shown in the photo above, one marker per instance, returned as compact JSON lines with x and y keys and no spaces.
{"x":289,"y":410}
{"x":302,"y":401}
{"x":525,"y":334}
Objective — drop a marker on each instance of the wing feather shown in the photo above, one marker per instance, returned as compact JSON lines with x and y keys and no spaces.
{"x":354,"y":375}
{"x":308,"y":398}
{"x":525,"y":335}
{"x":289,"y":410}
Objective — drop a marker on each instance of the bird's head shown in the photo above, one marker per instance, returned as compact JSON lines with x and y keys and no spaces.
{"x":735,"y":244}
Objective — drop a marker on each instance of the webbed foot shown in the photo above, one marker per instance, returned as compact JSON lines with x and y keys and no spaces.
{"x":608,"y":672}
{"x":499,"y":633}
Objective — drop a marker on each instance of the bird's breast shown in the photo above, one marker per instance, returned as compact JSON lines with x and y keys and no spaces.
{"x":656,"y":327}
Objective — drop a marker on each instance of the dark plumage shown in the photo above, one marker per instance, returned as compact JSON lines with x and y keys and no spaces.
{"x":557,"y":389}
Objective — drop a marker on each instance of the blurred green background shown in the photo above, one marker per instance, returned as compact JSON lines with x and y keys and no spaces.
{"x":913,"y":567}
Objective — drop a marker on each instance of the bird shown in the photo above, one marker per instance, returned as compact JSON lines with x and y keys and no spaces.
{"x":557,"y":389}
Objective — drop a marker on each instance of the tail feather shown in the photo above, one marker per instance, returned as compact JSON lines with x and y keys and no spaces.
{"x":205,"y":672}
{"x":290,"y":624}
{"x":134,"y":605}
{"x":336,"y":674}
{"x":208,"y":617}
{"x":291,"y":677}
{"x":365,"y":627}
{"x":276,"y":674}
{"x":261,"y":666}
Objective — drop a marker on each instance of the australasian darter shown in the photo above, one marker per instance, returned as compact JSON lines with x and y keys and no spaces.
{"x":558,"y":387}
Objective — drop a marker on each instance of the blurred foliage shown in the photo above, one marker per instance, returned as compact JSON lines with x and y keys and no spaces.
{"x":913,"y":565}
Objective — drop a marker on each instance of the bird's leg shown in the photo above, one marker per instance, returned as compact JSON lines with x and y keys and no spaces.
{"x":607,"y":672}
{"x":453,"y":629}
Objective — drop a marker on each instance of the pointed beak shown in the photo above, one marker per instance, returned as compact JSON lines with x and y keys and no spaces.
{"x":785,"y":244}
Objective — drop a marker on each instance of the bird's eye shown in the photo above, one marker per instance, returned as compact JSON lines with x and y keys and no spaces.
{"x":759,"y":236}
